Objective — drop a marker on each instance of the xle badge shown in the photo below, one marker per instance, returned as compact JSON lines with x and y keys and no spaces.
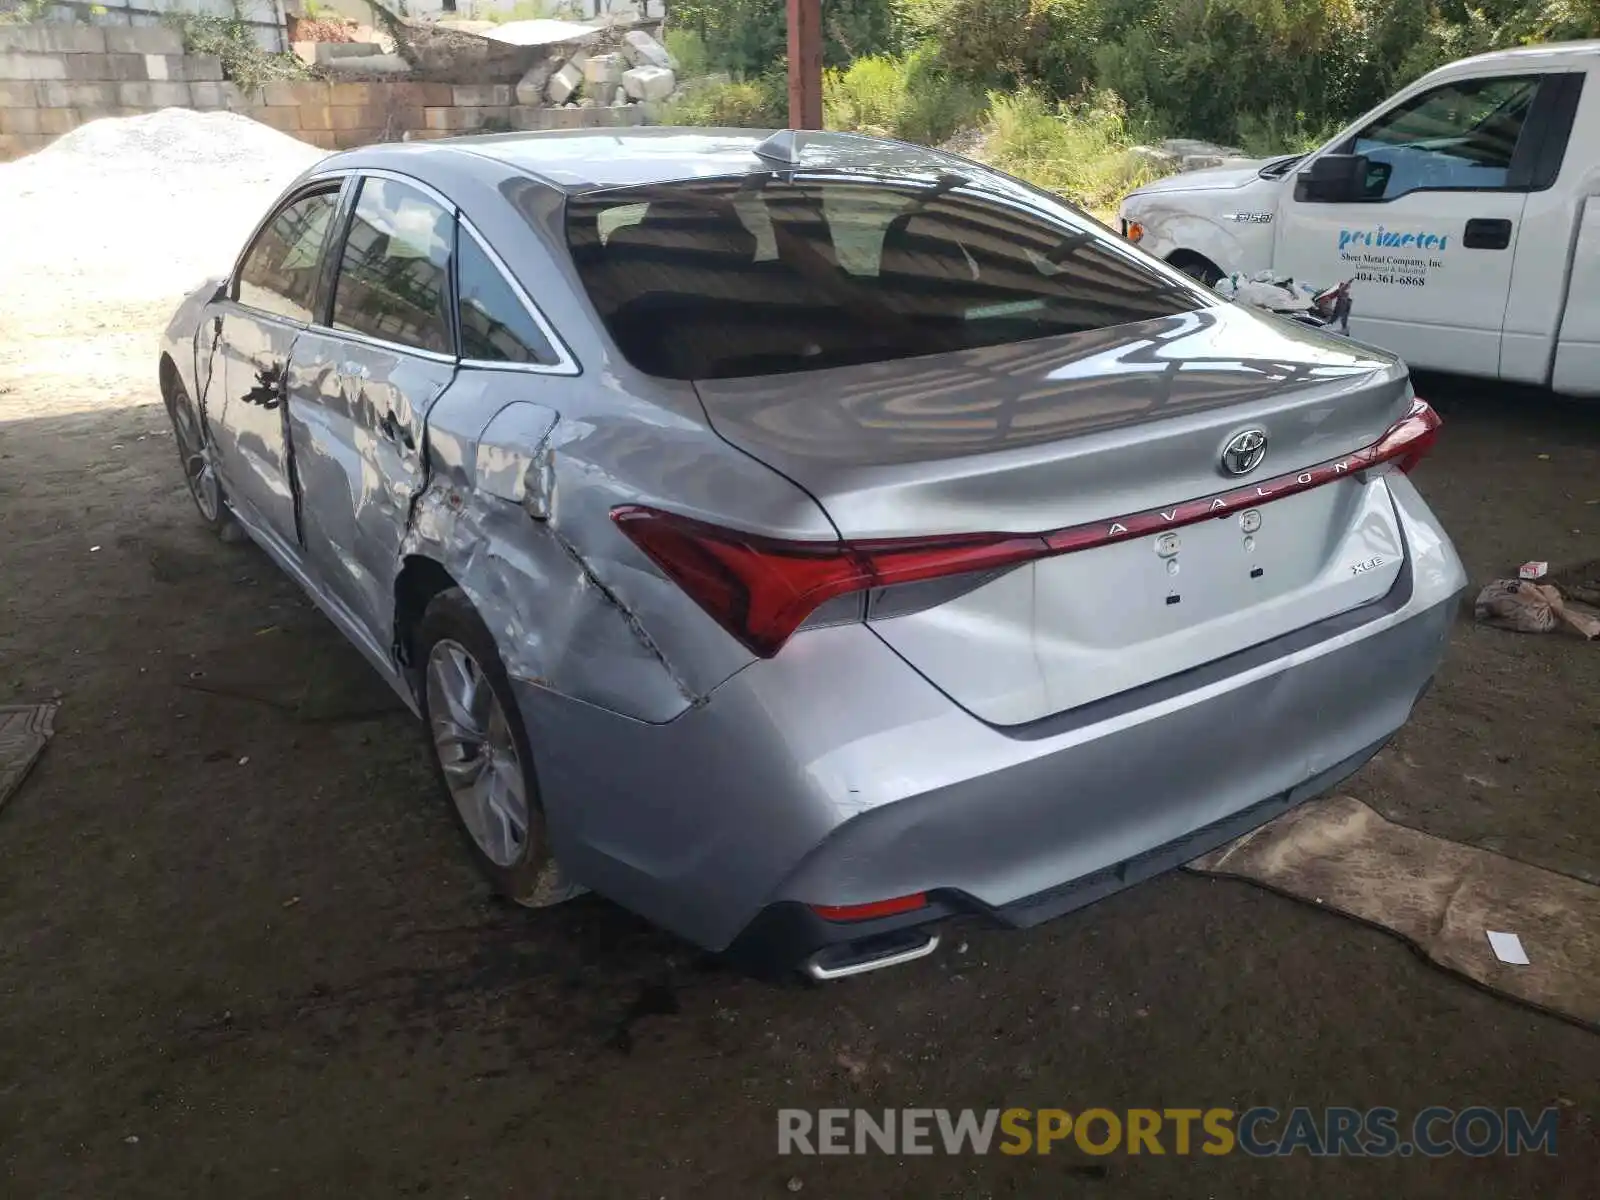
{"x":1362,"y":567}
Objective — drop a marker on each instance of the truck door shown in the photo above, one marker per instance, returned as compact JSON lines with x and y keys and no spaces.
{"x":1431,"y":241}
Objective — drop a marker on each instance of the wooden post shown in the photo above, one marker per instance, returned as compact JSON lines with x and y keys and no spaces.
{"x":805,"y":64}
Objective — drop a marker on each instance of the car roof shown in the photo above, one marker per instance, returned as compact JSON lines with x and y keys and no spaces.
{"x":580,"y":160}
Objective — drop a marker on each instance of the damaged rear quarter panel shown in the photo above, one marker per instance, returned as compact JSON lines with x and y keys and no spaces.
{"x":524,"y":470}
{"x":186,"y":340}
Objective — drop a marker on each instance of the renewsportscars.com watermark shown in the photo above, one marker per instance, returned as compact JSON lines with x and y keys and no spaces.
{"x":1260,"y":1132}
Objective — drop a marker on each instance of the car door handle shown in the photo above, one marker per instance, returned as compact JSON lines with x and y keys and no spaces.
{"x":1486,"y":233}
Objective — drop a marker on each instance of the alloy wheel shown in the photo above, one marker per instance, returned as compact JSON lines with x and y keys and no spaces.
{"x":472,"y":738}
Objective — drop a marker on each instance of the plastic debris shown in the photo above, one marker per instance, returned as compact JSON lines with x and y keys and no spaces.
{"x":1507,"y":947}
{"x":1526,"y":607}
{"x":1322,"y":307}
{"x":1533,"y":570}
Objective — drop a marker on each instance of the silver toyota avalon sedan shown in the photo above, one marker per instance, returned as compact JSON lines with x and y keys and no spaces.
{"x":800,"y":539}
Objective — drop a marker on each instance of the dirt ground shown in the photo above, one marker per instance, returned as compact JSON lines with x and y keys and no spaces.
{"x":242,"y":953}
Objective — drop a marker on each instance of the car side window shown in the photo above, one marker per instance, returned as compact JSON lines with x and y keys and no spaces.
{"x":279,"y":272}
{"x":496,"y":325}
{"x":394,"y":273}
{"x":1458,"y":135}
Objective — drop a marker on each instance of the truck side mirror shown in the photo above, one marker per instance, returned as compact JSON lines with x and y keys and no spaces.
{"x":1333,"y":179}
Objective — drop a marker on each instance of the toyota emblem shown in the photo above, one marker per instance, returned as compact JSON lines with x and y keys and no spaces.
{"x":1244,"y":452}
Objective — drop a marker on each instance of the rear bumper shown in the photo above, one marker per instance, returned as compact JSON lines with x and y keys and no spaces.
{"x":835,"y":774}
{"x":789,"y":933}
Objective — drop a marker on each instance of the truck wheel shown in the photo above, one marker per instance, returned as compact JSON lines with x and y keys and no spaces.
{"x":1201,"y":269}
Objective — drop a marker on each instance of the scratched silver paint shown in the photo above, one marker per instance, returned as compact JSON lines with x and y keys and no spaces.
{"x":696,"y":784}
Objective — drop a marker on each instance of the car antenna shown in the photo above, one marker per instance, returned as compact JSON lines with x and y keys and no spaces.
{"x":784,"y":147}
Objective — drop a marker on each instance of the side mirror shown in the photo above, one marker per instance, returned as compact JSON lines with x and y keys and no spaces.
{"x":1333,"y":179}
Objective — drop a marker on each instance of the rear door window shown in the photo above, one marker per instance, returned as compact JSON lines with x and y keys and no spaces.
{"x":394,"y":274}
{"x":279,"y":272}
{"x":760,"y":275}
{"x":496,"y":325}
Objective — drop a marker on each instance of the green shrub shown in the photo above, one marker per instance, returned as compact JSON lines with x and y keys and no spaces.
{"x":688,"y":50}
{"x":750,"y":37}
{"x":26,"y":12}
{"x":1048,"y":44}
{"x":1267,"y":75}
{"x":231,"y":40}
{"x":910,"y":98}
{"x":1198,"y":69}
{"x":1279,"y":131}
{"x":867,"y":98}
{"x":748,"y":104}
{"x":937,"y":103}
{"x":1082,"y":150}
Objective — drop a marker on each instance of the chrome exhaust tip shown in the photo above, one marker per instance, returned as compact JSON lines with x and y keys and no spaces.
{"x":871,"y":954}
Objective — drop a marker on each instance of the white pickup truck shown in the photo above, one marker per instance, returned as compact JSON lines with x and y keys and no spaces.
{"x":1466,"y":211}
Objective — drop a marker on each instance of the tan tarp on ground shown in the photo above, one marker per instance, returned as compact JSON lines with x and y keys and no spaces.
{"x":1440,"y":896}
{"x":24,"y":729}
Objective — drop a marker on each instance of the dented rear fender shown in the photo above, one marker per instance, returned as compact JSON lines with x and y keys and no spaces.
{"x":523,"y":472}
{"x":183,"y":340}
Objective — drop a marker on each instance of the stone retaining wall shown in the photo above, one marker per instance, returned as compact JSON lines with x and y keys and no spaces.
{"x":55,"y":77}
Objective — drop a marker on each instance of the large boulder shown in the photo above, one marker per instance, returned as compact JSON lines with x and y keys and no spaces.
{"x":642,"y":50}
{"x":564,"y":83}
{"x":649,"y":83}
{"x":367,"y":67}
{"x":530,"y":88}
{"x":602,"y":72}
{"x":1195,"y":148}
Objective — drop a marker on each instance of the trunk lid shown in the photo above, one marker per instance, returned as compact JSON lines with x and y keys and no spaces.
{"x":1055,"y":432}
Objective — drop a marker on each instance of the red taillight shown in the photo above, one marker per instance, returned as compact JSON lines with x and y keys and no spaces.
{"x":760,"y":589}
{"x":866,"y":912}
{"x":1408,"y":441}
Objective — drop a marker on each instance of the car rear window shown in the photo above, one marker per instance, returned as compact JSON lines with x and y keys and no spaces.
{"x":766,"y":274}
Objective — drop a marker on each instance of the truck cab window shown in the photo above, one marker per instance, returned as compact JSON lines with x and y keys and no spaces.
{"x":1458,"y":135}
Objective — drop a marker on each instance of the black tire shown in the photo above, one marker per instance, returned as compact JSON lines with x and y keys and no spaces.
{"x":532,"y":879}
{"x":1200,"y":269}
{"x":205,"y":489}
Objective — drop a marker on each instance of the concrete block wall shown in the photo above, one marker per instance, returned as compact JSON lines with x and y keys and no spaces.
{"x":337,"y":116}
{"x":262,"y":18}
{"x":55,"y":77}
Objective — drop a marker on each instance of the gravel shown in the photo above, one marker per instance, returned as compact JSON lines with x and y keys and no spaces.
{"x":181,"y":138}
{"x":135,"y":211}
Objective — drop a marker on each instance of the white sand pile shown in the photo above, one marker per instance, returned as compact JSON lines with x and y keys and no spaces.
{"x":175,"y":138}
{"x":136,"y":210}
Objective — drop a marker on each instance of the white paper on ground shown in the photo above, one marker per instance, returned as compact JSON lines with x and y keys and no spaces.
{"x":1508,"y":948}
